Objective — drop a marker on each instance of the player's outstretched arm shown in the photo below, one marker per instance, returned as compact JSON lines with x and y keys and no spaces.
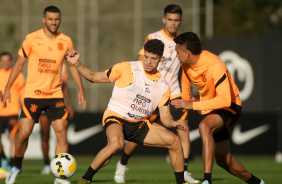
{"x":167,"y":119}
{"x":91,"y":75}
{"x":13,"y":76}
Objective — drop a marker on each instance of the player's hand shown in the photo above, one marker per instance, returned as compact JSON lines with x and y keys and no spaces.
{"x":6,"y":96}
{"x":82,"y":100}
{"x":179,"y":103}
{"x":72,"y":56}
{"x":179,"y":125}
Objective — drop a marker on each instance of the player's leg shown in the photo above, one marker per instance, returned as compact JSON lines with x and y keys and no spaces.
{"x":13,"y":129}
{"x":181,"y":115}
{"x":60,"y":129}
{"x":159,"y":136}
{"x":25,"y":129}
{"x":121,"y":168}
{"x":115,"y":138}
{"x":207,"y":126}
{"x":45,"y":135}
{"x":225,"y":160}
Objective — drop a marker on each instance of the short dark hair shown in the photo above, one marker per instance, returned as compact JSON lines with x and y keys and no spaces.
{"x":154,"y":46}
{"x":6,"y":53}
{"x":191,"y":42}
{"x":52,"y":9}
{"x":173,"y":8}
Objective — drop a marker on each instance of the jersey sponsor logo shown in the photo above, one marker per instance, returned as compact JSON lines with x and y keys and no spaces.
{"x":143,"y":98}
{"x":147,"y":90}
{"x":44,"y":66}
{"x":33,"y":108}
{"x":240,"y":137}
{"x":37,"y":92}
{"x":134,"y":116}
{"x":47,"y":60}
{"x":60,"y":104}
{"x":39,"y":44}
{"x":75,"y":137}
{"x":60,"y":46}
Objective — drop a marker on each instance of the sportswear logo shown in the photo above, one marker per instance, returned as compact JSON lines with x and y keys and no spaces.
{"x":60,"y":104}
{"x":147,"y":84}
{"x":33,"y":108}
{"x":38,"y":92}
{"x":75,"y":137}
{"x":240,"y":137}
{"x":60,"y":46}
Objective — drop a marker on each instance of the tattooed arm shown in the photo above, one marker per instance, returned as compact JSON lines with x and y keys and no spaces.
{"x":73,"y":56}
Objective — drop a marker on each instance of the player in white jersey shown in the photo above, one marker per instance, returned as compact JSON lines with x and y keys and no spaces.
{"x":169,"y":68}
{"x":139,"y":90}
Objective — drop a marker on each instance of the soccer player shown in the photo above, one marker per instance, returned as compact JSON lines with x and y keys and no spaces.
{"x":169,"y":68}
{"x":45,"y":123}
{"x":46,"y":50}
{"x":9,"y":115}
{"x":138,"y":91}
{"x":219,"y":103}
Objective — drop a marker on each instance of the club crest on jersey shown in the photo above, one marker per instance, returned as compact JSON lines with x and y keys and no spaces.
{"x":33,"y":108}
{"x":60,"y":46}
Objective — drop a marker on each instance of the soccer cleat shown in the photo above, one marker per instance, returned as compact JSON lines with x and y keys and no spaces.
{"x":205,"y":182}
{"x":120,"y":172}
{"x":261,"y":182}
{"x":46,"y":170}
{"x":83,"y":181}
{"x":188,"y":178}
{"x":13,"y":175}
{"x":61,"y":181}
{"x":3,"y":173}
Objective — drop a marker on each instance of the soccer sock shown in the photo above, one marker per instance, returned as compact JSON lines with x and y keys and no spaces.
{"x":208,"y":176}
{"x":46,"y":160}
{"x":18,"y":162}
{"x":179,"y":176}
{"x":124,"y":158}
{"x":11,"y":162}
{"x":253,"y":180}
{"x":2,"y":155}
{"x":89,"y":173}
{"x":186,"y":160}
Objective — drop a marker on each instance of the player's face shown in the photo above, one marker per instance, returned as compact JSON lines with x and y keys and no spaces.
{"x":151,"y":62}
{"x":182,"y":54}
{"x":172,"y":22}
{"x":5,"y":62}
{"x":52,"y":21}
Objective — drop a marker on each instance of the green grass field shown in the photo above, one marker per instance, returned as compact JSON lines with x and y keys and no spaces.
{"x":154,"y":170}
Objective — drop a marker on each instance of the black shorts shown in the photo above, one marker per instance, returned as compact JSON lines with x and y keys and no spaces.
{"x":54,"y":108}
{"x":229,"y":118}
{"x":9,"y":122}
{"x":133,"y":131}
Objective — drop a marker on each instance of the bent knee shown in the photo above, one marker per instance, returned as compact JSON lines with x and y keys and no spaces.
{"x":175,"y":143}
{"x":115,"y":146}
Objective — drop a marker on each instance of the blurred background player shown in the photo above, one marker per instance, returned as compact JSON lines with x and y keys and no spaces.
{"x":45,"y":50}
{"x":219,"y":103}
{"x":45,"y":123}
{"x":169,"y":68}
{"x":9,"y":116}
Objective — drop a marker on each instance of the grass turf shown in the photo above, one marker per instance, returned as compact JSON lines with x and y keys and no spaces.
{"x":155,"y":170}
